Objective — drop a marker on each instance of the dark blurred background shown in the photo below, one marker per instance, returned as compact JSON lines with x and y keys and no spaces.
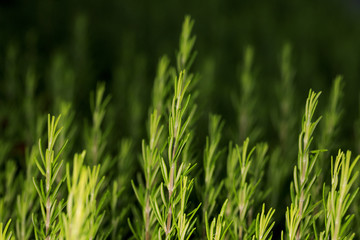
{"x":98,"y":40}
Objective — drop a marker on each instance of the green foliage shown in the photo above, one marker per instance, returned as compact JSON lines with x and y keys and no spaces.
{"x":48,"y":227}
{"x":332,"y":115}
{"x":339,"y":199}
{"x":186,"y":54}
{"x":95,"y":138}
{"x":4,"y":234}
{"x":161,"y":89}
{"x":285,"y":119}
{"x":299,"y":218}
{"x":211,"y":190}
{"x":26,"y":201}
{"x":218,"y":226}
{"x":147,"y":191}
{"x":185,"y":221}
{"x":241,"y":189}
{"x":83,"y":213}
{"x":174,"y":171}
{"x":121,"y":193}
{"x":9,"y":190}
{"x":245,"y":103}
{"x":162,"y":177}
{"x":263,"y":224}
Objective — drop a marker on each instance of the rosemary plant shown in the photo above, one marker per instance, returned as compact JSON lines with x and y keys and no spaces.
{"x":110,"y":195}
{"x":264,"y":224}
{"x":184,"y":60}
{"x":75,"y":223}
{"x":299,"y":217}
{"x":242,"y":190}
{"x":161,"y":85}
{"x":9,"y":190}
{"x":83,"y":217}
{"x":4,"y":234}
{"x":96,"y":138}
{"x":211,"y":190}
{"x":258,"y":170}
{"x":218,"y":226}
{"x":186,"y":55}
{"x":26,"y":201}
{"x":151,"y":158}
{"x":329,"y":129}
{"x":339,"y":199}
{"x":174,"y":170}
{"x":69,"y":126}
{"x":30,"y":109}
{"x":285,"y":119}
{"x":332,"y":116}
{"x":245,"y":102}
{"x":121,"y":190}
{"x":48,"y":227}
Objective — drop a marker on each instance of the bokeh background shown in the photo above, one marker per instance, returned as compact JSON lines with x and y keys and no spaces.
{"x":105,"y":40}
{"x":52,"y":50}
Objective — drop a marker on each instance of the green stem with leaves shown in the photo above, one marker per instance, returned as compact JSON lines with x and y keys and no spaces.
{"x":303,"y":176}
{"x":177,"y":137}
{"x":4,"y":234}
{"x":49,"y":167}
{"x":211,"y":156}
{"x":338,"y":200}
{"x":263,"y":224}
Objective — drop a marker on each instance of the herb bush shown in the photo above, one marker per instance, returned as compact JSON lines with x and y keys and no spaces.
{"x":87,"y":170}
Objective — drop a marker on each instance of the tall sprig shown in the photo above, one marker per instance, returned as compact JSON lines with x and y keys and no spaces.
{"x":25,"y":202}
{"x":121,"y":190}
{"x":152,"y":150}
{"x":211,"y":155}
{"x":174,"y":170}
{"x":244,"y":101}
{"x":302,"y":206}
{"x":186,"y":55}
{"x":285,"y":119}
{"x":339,"y":199}
{"x":245,"y":189}
{"x":329,"y":128}
{"x":185,"y":58}
{"x":161,"y":86}
{"x":241,"y":189}
{"x":332,"y":116}
{"x":49,"y":168}
{"x":95,"y":137}
{"x":150,"y":161}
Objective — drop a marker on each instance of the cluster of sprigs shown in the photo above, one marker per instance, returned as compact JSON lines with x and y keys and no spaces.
{"x":90,"y":206}
{"x":164,"y":212}
{"x":83,"y":216}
